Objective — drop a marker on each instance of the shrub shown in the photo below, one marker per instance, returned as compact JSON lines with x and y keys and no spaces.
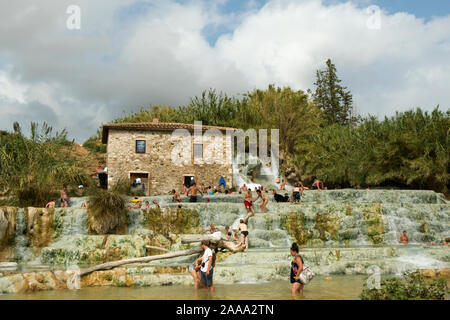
{"x":32,"y":170}
{"x":411,"y":286}
{"x":107,"y":212}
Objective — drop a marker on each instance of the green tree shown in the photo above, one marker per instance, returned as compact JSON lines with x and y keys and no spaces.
{"x":333,"y":99}
{"x":287,"y":110}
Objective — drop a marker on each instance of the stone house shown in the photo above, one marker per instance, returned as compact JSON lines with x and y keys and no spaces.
{"x":163,"y":156}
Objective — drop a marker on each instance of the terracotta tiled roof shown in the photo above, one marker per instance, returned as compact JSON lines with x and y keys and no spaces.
{"x":153,"y":126}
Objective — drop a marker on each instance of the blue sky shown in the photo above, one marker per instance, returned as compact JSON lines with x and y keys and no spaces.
{"x":420,"y":8}
{"x":425,"y":9}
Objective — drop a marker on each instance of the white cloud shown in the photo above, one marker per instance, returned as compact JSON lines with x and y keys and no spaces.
{"x":121,"y":60}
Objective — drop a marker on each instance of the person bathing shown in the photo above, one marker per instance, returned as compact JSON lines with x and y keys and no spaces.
{"x":193,"y":191}
{"x":296,"y":269}
{"x":244,"y":233}
{"x":248,"y":202}
{"x":264,"y":200}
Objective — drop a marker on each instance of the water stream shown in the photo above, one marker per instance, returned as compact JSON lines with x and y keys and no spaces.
{"x":350,"y":230}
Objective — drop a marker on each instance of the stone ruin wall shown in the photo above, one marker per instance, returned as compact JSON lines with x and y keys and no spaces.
{"x":164,"y":175}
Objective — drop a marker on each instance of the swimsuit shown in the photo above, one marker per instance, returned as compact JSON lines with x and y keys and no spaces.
{"x":193,"y":199}
{"x":245,"y":233}
{"x":248,"y":204}
{"x":294,"y":270}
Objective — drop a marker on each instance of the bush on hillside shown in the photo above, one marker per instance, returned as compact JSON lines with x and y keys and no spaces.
{"x":411,"y":286}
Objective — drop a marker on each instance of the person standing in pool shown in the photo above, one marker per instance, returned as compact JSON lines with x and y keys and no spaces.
{"x":248,"y":201}
{"x":244,"y":233}
{"x":263,"y":199}
{"x":193,"y":191}
{"x":207,"y":266}
{"x":296,"y":190}
{"x":403,"y":238}
{"x":296,"y":269}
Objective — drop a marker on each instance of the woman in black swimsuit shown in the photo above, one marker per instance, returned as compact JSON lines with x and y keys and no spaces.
{"x":296,"y":269}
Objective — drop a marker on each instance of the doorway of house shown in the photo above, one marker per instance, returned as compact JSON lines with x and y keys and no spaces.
{"x":139,"y":182}
{"x":188,"y":181}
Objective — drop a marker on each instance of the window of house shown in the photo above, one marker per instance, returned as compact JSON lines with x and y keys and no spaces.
{"x":140,"y":146}
{"x":198,"y":150}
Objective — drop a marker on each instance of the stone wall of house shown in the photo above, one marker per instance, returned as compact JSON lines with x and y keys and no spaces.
{"x":157,"y":161}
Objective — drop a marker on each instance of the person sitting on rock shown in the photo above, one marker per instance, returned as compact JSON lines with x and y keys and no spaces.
{"x":176,"y":196}
{"x":212,"y":229}
{"x":138,"y":205}
{"x":146,"y":205}
{"x":51,"y":204}
{"x":156,"y":204}
{"x":403,"y":238}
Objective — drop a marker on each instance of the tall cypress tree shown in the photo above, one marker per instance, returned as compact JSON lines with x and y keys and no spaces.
{"x":335,"y":100}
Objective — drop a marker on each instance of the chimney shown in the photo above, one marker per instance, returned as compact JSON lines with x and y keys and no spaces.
{"x":155,"y":120}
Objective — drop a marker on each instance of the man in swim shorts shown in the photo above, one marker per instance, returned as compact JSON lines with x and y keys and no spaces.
{"x":248,"y":201}
{"x":244,"y":233}
{"x":193,"y":191}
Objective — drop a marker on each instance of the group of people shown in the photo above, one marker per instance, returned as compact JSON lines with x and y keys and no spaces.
{"x":138,"y":204}
{"x":202,"y":269}
{"x":64,"y":199}
{"x":297,"y":193}
{"x":404,"y":239}
{"x":232,"y":234}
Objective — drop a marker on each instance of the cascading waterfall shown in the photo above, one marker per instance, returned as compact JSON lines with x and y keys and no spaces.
{"x":354,"y":221}
{"x":21,"y":244}
{"x":75,"y":221}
